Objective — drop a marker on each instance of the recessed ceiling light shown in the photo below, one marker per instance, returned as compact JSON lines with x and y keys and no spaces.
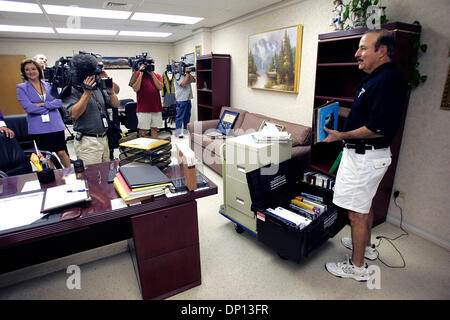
{"x":10,"y":28}
{"x":87,"y":31}
{"x":165,"y":18}
{"x":144,"y":34}
{"x":25,"y":7}
{"x":86,"y":12}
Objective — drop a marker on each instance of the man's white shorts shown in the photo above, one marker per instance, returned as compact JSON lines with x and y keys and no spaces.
{"x":147,"y":120}
{"x":358,"y":178}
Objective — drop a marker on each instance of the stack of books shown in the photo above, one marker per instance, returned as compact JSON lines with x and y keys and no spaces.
{"x":308,"y":205}
{"x":135,"y":184}
{"x":319,"y":179}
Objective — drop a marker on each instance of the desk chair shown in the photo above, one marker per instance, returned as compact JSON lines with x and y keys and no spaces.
{"x":131,"y":120}
{"x":19,"y":124}
{"x":12,"y":158}
{"x":168,"y":114}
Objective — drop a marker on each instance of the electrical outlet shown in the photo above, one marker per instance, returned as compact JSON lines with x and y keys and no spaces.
{"x":399,"y":194}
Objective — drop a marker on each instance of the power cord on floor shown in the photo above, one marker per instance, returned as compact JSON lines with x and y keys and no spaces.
{"x":405,"y":233}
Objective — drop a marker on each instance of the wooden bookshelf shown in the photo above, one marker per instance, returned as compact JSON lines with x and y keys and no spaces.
{"x":213,"y":85}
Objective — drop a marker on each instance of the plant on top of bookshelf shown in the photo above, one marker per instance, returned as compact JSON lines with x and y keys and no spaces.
{"x":356,"y":12}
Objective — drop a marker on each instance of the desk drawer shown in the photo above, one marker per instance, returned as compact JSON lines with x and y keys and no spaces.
{"x":238,"y":196}
{"x":168,"y":274}
{"x":163,"y":231}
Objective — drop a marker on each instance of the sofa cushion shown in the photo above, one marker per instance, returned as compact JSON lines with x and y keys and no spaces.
{"x":209,"y":143}
{"x":251,"y":123}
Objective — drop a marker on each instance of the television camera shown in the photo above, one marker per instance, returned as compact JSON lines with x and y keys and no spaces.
{"x":179,"y":68}
{"x":140,"y":60}
{"x":65,"y":74}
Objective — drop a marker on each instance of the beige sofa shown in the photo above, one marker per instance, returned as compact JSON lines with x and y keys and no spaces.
{"x":208,"y":148}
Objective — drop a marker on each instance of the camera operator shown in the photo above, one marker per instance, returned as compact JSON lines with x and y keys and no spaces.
{"x":86,"y":105}
{"x":183,"y":95}
{"x":149,"y":108}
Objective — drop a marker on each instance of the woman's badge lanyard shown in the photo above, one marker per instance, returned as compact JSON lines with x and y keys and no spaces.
{"x":99,"y":106}
{"x":42,"y":95}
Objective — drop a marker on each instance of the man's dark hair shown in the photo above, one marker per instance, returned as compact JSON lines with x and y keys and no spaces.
{"x":385,"y":38}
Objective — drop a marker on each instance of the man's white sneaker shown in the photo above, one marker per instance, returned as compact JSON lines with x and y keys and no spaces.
{"x":370,"y":253}
{"x":346,"y":269}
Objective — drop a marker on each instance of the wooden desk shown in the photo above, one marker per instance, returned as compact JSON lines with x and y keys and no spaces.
{"x":163,"y":232}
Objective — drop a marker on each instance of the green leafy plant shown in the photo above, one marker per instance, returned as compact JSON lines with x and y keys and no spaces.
{"x":356,"y":12}
{"x":417,"y":78}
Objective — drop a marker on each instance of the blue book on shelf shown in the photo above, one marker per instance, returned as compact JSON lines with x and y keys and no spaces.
{"x":327,"y":116}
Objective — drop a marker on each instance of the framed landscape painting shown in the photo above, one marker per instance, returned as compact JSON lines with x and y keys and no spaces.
{"x":116,"y":63}
{"x":274,"y":59}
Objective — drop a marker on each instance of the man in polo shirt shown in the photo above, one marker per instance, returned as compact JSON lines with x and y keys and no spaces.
{"x":86,"y":105}
{"x":373,"y":121}
{"x":4,"y":129}
{"x":183,"y":96}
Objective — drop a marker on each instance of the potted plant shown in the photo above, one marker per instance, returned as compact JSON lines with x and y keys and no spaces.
{"x":356,"y":12}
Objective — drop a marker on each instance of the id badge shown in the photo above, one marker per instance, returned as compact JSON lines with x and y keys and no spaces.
{"x":105,"y":122}
{"x":45,"y":118}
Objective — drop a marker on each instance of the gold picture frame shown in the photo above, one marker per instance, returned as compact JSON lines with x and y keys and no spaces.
{"x":266,"y":51}
{"x":198,"y":51}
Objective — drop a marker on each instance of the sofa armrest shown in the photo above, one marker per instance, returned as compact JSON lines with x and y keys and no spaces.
{"x":202,"y":125}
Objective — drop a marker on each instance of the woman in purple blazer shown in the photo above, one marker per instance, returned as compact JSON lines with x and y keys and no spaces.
{"x":44,"y":119}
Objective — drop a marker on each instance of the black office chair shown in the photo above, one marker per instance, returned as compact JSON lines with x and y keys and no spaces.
{"x":12,"y":158}
{"x":19,"y":124}
{"x":168,"y":114}
{"x":131,"y":120}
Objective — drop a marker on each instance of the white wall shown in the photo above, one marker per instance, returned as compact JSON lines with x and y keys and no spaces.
{"x":423,"y":170}
{"x":55,"y":49}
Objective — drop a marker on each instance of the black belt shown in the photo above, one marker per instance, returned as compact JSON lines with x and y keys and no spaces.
{"x":95,"y":135}
{"x":360,"y":148}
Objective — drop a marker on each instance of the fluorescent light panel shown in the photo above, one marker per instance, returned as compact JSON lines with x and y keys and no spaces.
{"x":86,"y":31}
{"x":142,"y":16}
{"x":9,"y":28}
{"x":86,"y":12}
{"x":12,"y":6}
{"x":144,"y":34}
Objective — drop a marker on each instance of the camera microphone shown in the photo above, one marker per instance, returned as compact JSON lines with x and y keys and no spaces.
{"x":84,"y":65}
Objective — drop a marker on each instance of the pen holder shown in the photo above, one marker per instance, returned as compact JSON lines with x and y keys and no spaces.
{"x":78,"y":167}
{"x":46,"y":176}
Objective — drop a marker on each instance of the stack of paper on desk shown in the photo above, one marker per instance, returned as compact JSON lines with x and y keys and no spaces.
{"x":144,"y":143}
